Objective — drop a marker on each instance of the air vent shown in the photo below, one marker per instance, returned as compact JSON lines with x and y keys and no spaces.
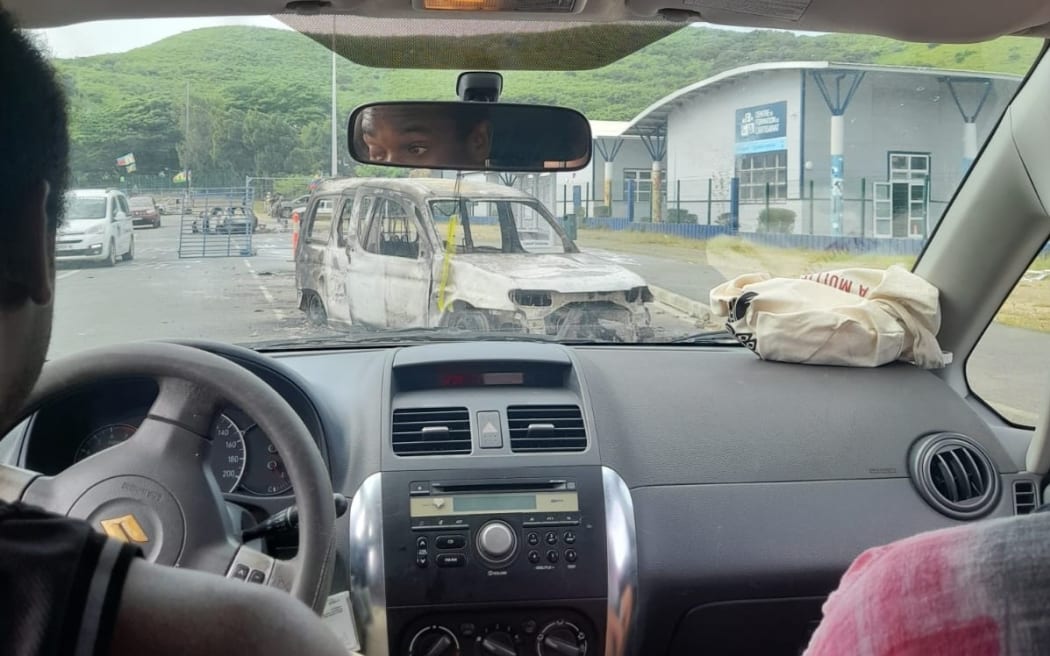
{"x":535,"y":428}
{"x":431,"y":431}
{"x":955,"y":475}
{"x":1025,"y":500}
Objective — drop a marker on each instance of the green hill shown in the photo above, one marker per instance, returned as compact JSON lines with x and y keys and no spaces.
{"x":259,"y":98}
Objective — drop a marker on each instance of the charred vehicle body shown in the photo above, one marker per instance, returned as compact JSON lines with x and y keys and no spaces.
{"x":473,"y":256}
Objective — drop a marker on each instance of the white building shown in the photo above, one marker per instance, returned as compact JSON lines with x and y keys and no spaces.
{"x":768,"y":135}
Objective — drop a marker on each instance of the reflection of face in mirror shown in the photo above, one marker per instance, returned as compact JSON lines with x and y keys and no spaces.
{"x":422,"y":136}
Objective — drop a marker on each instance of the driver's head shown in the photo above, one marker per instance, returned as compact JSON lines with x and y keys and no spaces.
{"x":421,"y":136}
{"x":34,"y":163}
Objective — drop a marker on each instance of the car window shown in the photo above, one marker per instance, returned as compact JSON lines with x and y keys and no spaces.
{"x":497,"y":226}
{"x":85,"y":208}
{"x":320,"y":227}
{"x":1008,"y":368}
{"x":535,"y":232}
{"x":141,"y":202}
{"x":123,"y":204}
{"x":393,"y":230}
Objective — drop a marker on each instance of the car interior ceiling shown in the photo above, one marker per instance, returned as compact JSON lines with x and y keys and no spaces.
{"x":713,"y":522}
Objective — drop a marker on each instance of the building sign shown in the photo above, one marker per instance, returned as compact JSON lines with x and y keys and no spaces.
{"x":761,"y":128}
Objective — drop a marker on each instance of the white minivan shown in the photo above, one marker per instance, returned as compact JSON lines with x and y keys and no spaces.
{"x":97,"y":227}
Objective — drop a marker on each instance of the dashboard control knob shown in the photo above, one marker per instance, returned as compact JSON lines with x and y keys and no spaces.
{"x":561,"y":638}
{"x":498,"y":643}
{"x":496,"y":542}
{"x":434,"y":641}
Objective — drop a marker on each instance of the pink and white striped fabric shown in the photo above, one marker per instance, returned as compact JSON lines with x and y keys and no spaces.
{"x":978,"y":589}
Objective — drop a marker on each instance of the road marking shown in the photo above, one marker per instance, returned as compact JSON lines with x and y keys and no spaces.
{"x":67,"y":274}
{"x":265,"y":292}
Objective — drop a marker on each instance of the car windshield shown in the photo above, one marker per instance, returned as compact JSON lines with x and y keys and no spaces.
{"x":716,"y":153}
{"x":85,"y":208}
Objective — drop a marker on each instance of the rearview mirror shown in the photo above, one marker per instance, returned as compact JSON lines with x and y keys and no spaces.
{"x":470,"y":136}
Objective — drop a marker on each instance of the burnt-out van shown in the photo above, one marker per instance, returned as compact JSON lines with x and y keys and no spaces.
{"x":414,"y":252}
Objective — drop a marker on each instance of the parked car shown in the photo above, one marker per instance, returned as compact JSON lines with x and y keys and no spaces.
{"x":387,"y":263}
{"x":144,"y":211}
{"x":238,"y":219}
{"x":283,"y":208}
{"x":97,"y":228}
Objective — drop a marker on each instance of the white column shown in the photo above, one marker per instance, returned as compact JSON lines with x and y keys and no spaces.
{"x":969,"y":144}
{"x":655,"y":197}
{"x":607,"y":185}
{"x":838,"y":165}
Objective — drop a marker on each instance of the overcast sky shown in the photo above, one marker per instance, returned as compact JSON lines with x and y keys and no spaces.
{"x":118,"y":36}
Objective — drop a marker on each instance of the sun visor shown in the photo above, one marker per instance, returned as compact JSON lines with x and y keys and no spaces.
{"x":491,"y":44}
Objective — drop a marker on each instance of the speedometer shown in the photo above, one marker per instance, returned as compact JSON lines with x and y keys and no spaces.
{"x":102,"y":439}
{"x":265,"y":474}
{"x":227,"y":453}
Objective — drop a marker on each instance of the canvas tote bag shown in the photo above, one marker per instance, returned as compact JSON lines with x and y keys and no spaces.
{"x":849,"y":317}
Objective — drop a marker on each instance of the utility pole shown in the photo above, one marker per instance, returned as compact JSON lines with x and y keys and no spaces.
{"x":335,"y":124}
{"x":186,"y":167}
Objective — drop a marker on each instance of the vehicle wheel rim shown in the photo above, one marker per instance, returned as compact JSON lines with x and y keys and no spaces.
{"x":315,"y":310}
{"x":112,"y":252}
{"x":469,"y":321}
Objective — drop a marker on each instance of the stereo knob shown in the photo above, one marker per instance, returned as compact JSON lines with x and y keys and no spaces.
{"x":434,"y":641}
{"x":561,"y":638}
{"x":496,"y":542}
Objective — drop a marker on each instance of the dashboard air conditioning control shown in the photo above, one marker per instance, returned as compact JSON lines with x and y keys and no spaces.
{"x":431,"y":431}
{"x":544,"y":428}
{"x":955,"y":475}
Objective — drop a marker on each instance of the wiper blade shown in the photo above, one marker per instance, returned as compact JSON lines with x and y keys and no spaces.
{"x":709,"y":338}
{"x":400,"y":336}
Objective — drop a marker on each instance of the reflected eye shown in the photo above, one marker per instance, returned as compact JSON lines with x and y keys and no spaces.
{"x":418,"y":149}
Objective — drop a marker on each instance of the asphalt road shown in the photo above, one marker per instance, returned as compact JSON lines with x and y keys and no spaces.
{"x":229,"y":299}
{"x":159,"y":296}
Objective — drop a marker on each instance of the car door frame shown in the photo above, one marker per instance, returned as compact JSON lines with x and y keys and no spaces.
{"x":311,"y":256}
{"x":376,"y":281}
{"x":338,"y":257}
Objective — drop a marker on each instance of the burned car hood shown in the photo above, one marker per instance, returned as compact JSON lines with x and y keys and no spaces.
{"x":565,"y":273}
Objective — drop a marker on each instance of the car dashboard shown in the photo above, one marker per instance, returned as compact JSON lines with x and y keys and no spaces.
{"x":516,"y":498}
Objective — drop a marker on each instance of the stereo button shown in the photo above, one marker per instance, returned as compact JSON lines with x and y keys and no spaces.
{"x":450,"y":560}
{"x":450,"y":542}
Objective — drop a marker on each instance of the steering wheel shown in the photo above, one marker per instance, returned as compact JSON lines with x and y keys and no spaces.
{"x":157,"y":489}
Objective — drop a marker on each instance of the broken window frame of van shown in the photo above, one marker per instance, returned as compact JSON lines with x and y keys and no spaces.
{"x":567,"y":295}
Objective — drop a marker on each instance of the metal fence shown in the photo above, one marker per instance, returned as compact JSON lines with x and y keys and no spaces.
{"x":724,"y":202}
{"x":208,"y":229}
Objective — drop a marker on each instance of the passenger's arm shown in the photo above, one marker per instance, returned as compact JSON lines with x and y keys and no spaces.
{"x":165,"y":611}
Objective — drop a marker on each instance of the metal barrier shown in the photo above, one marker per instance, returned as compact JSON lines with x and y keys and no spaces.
{"x":214,"y":236}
